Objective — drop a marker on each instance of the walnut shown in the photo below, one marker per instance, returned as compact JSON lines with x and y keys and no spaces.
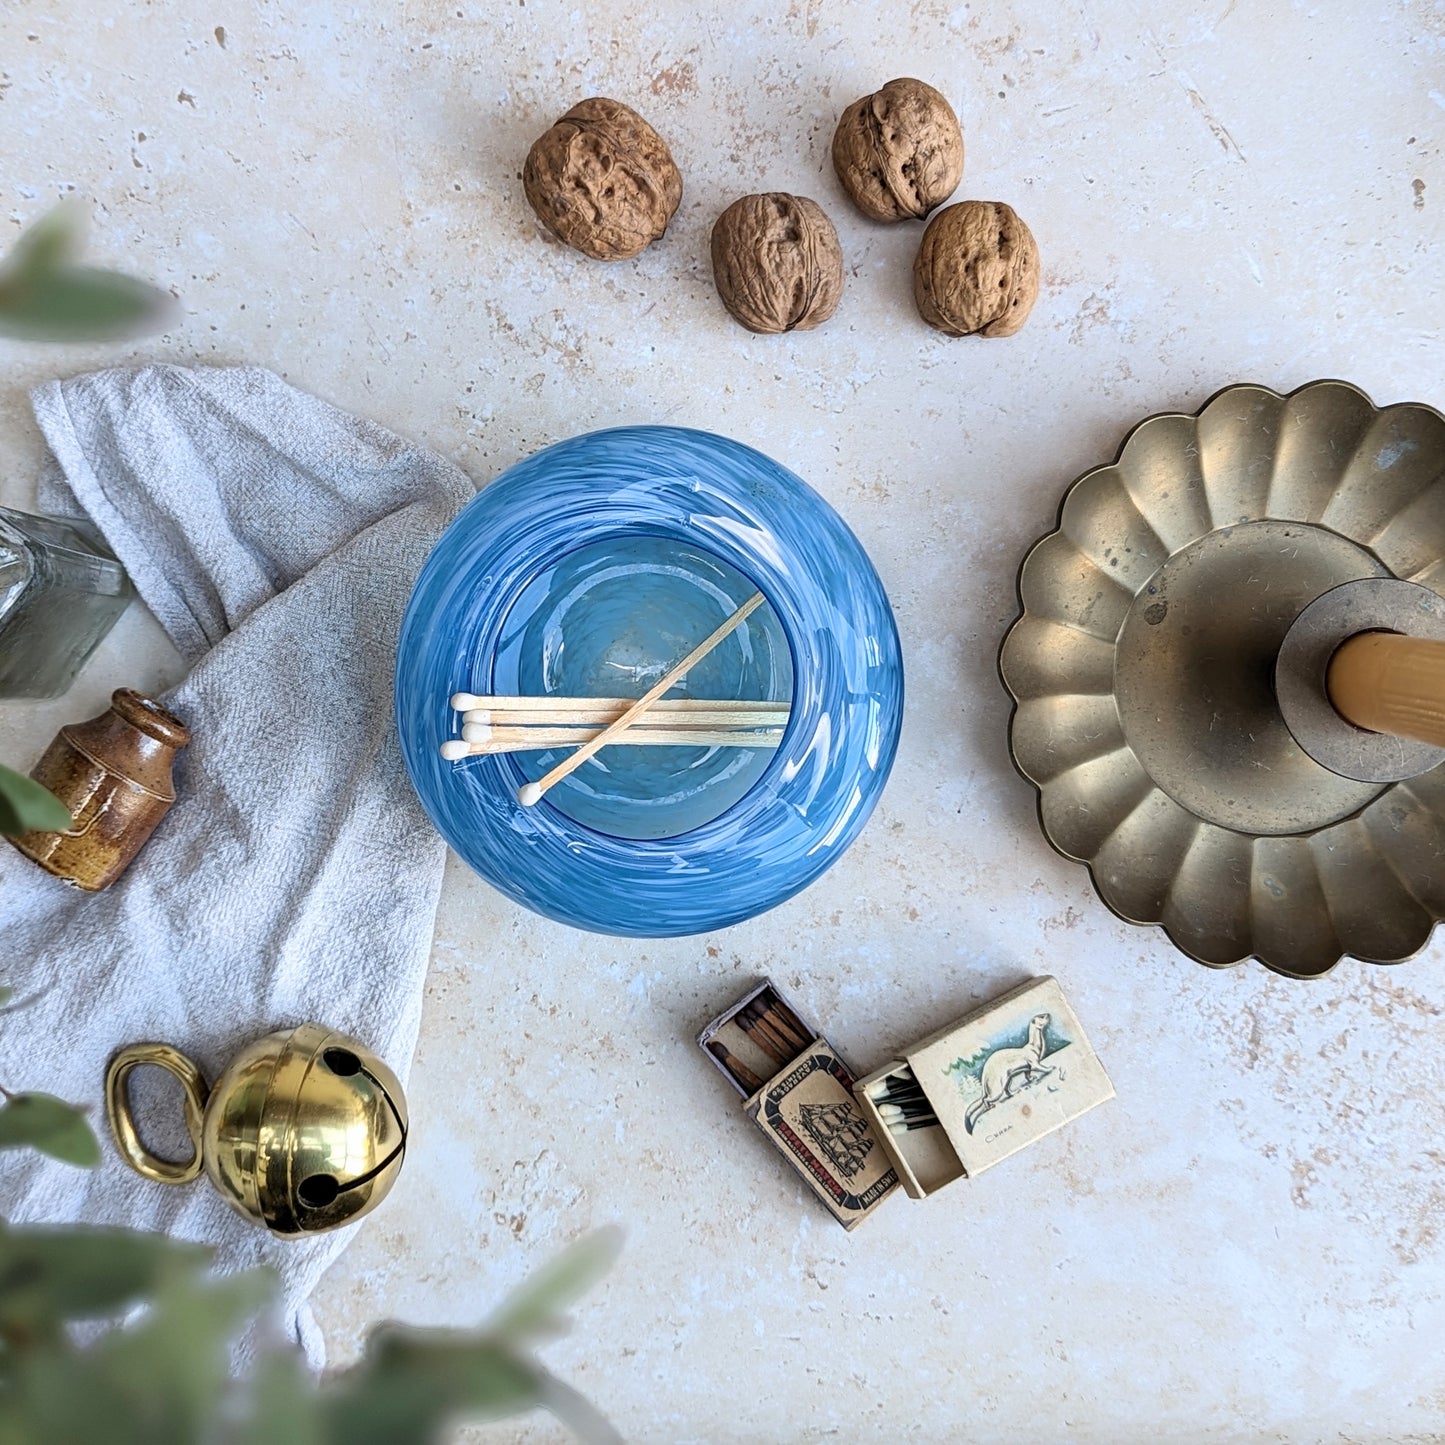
{"x":777,"y":262}
{"x":899,"y":151}
{"x":603,"y":180}
{"x":977,"y":270}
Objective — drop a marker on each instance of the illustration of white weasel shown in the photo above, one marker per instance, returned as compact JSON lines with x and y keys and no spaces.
{"x":1005,"y":1071}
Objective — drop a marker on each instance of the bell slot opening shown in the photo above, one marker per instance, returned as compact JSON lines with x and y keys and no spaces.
{"x":342,"y":1062}
{"x":316,"y":1191}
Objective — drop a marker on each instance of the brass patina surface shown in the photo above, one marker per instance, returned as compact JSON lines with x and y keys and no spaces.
{"x":1143,"y":669}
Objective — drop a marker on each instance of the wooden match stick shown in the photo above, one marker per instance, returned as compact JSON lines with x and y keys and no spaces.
{"x":770,"y":1041}
{"x":530,"y":794}
{"x":529,"y":740}
{"x":786,"y":1022}
{"x":912,"y":1105}
{"x":906,"y":1111}
{"x":655,"y":717}
{"x":736,"y":1067}
{"x":655,"y":736}
{"x":467,"y":702}
{"x":757,"y":1013}
{"x":580,"y":732}
{"x":906,"y":1126}
{"x":896,"y":1087}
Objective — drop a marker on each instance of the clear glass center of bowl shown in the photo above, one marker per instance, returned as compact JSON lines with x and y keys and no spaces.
{"x":609,"y":620}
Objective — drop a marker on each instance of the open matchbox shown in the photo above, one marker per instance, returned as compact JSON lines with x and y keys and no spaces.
{"x":799,"y":1092}
{"x":995,"y":1081}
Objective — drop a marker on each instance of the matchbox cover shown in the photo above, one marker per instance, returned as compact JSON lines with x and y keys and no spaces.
{"x":1002,"y":1077}
{"x":809,"y":1112}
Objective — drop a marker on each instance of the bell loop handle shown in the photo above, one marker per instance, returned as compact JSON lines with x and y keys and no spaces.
{"x":122,"y":1123}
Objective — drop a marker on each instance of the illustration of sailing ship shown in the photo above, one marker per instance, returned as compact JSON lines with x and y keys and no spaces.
{"x":841,"y":1134}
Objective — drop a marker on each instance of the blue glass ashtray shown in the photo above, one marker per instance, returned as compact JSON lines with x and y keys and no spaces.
{"x":590,"y":570}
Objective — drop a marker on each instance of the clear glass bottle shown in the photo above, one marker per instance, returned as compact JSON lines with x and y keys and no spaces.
{"x":61,"y":591}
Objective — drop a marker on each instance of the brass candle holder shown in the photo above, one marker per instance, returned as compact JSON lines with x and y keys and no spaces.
{"x":1179,"y":666}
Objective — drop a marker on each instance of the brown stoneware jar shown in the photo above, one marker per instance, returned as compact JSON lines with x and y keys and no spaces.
{"x":114,"y":774}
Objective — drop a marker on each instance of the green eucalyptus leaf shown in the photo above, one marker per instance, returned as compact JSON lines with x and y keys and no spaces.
{"x":55,"y":1274}
{"x":6,"y":994}
{"x":56,"y":1397}
{"x":577,"y":1412}
{"x":281,"y":1407}
{"x":27,"y":807}
{"x":411,"y":1384}
{"x":538,"y":1307}
{"x":162,"y":1378}
{"x":172,"y":1365}
{"x":43,"y":1122}
{"x":49,"y":243}
{"x":45,"y":296}
{"x":164,"y":1374}
{"x":78,"y":303}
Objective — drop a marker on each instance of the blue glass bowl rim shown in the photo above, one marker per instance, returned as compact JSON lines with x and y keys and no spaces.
{"x":653,"y":508}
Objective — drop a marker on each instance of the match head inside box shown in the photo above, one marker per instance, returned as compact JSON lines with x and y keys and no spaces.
{"x":988,"y":1085}
{"x":755,"y":1037}
{"x":799,"y":1092}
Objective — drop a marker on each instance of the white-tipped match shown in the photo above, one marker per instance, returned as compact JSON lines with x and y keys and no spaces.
{"x":878,"y":1090}
{"x":453,"y":750}
{"x":897,"y":1111}
{"x":665,"y":683}
{"x":904,"y":1126}
{"x":476,"y":732}
{"x":529,"y":795}
{"x":585,"y":712}
{"x":463,"y":700}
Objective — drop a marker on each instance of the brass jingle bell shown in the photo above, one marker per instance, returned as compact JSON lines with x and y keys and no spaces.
{"x":304,"y":1131}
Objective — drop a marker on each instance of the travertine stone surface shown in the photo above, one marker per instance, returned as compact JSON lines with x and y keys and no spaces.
{"x":1246,"y":1244}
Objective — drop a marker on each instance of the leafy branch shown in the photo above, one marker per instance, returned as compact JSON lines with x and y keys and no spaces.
{"x":161,"y":1371}
{"x":43,"y":1122}
{"x":164,"y":1375}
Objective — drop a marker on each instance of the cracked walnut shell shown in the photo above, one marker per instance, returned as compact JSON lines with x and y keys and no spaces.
{"x":777,"y":262}
{"x":977,"y":270}
{"x":899,"y":151}
{"x":602,"y":180}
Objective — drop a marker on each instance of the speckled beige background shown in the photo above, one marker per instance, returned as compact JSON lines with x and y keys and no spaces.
{"x":1246,"y":1244}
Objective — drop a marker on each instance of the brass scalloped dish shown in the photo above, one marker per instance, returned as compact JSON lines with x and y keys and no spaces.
{"x":1142,"y":669}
